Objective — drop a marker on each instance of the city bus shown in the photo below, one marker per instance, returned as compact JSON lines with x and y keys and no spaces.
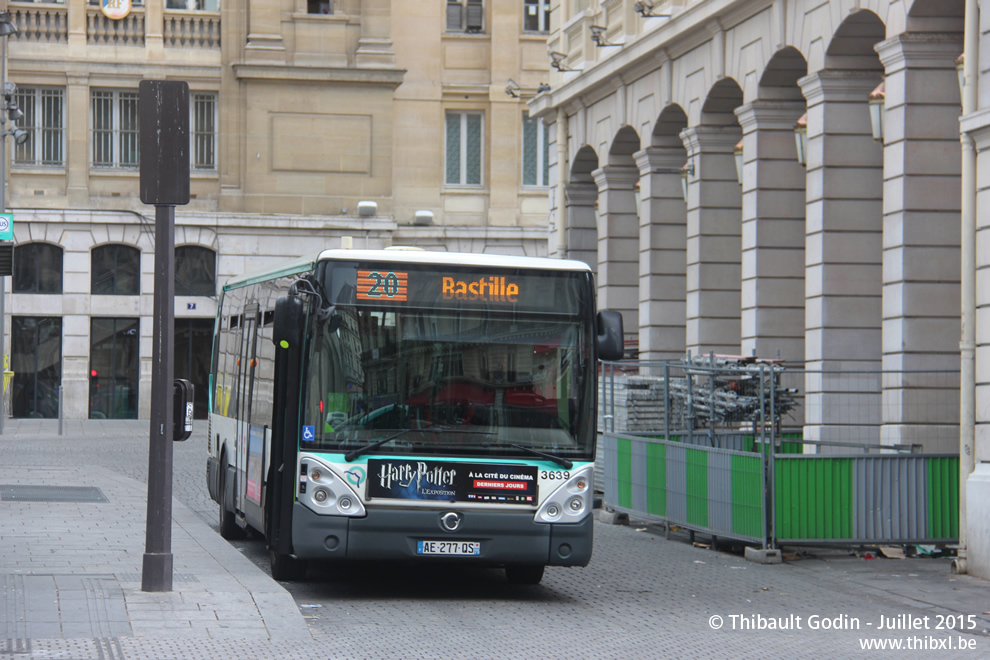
{"x":407,"y":405}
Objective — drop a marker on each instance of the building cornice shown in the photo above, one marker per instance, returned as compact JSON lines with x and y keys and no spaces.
{"x":285,"y":73}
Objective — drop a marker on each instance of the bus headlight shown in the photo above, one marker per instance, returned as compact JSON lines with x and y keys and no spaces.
{"x":571,"y":501}
{"x":327,"y":494}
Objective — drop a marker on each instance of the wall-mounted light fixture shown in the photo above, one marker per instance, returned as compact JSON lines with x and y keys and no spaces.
{"x":557,"y":61}
{"x":961,"y":73}
{"x":599,"y":37}
{"x":686,"y":171}
{"x":801,"y":139}
{"x":512,"y":89}
{"x":738,"y":154}
{"x":877,"y":102}
{"x":645,"y":9}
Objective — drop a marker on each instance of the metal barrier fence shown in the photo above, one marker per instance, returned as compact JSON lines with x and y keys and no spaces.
{"x":720,"y":492}
{"x":687,"y":443}
{"x":895,"y":499}
{"x":791,"y":499}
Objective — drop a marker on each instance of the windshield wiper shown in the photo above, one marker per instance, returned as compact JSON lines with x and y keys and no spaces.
{"x":351,"y":455}
{"x":563,"y":462}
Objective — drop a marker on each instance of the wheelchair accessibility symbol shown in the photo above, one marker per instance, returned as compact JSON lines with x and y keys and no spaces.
{"x":308,"y":433}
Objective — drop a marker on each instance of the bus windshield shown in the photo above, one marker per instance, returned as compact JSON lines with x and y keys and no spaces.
{"x":450,"y":382}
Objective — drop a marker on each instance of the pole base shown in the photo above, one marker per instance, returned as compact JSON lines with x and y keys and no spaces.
{"x":157,"y":572}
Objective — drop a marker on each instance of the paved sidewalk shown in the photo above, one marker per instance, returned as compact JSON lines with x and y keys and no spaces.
{"x":71,"y":552}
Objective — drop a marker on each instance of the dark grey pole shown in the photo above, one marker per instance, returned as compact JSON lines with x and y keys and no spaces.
{"x":157,"y":573}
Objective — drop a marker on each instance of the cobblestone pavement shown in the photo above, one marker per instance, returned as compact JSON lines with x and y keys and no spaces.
{"x":642,"y":596}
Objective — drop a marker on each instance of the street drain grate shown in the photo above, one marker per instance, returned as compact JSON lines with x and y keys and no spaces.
{"x":22,"y":493}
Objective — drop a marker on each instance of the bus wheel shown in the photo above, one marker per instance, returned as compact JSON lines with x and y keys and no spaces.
{"x":524,"y":574}
{"x":229,"y":529}
{"x":286,"y":568}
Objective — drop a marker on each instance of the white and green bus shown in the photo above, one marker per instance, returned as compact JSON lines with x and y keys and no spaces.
{"x":410,"y":405}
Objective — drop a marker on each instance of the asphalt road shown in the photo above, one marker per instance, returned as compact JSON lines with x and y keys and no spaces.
{"x":642,"y":596}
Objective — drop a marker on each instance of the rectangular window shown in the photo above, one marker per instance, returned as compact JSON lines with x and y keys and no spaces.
{"x":536,"y":15}
{"x":536,"y":152}
{"x":204,"y":130}
{"x":464,"y":148}
{"x":115,"y":128}
{"x":43,"y":124}
{"x":465,"y":16}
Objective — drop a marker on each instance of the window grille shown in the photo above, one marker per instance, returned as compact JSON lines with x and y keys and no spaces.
{"x":44,"y":123}
{"x":464,"y":148}
{"x":115,"y":128}
{"x":536,"y":152}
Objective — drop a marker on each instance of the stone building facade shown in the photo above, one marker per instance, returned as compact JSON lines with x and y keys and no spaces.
{"x":793,"y":179}
{"x":313,"y":123}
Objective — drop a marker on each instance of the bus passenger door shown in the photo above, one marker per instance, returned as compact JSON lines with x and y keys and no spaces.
{"x":244,"y":379}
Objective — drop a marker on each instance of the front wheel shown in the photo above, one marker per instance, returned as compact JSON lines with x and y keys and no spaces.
{"x":286,"y":568}
{"x":524,"y":574}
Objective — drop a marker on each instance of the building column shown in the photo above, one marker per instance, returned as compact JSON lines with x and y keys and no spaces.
{"x":662,"y":253}
{"x":77,"y":138}
{"x":154,"y":26}
{"x":618,"y":243}
{"x":374,"y":48}
{"x":921,"y":206}
{"x":772,"y":313}
{"x":582,"y":223}
{"x":843,"y":248}
{"x":713,"y":241}
{"x":977,"y":484}
{"x":264,"y":38}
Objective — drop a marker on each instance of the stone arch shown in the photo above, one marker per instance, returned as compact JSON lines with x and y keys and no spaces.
{"x":624,"y":145}
{"x":723,"y":98}
{"x":779,"y":81}
{"x":852,"y":46}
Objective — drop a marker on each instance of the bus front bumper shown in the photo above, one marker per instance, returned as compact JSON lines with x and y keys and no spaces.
{"x":506,"y":537}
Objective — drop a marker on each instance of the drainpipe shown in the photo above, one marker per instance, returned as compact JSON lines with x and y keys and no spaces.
{"x":967,"y":284}
{"x":561,"y":183}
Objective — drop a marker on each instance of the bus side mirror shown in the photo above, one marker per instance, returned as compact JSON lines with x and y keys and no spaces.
{"x":610,"y":345}
{"x":289,"y":321}
{"x":182,"y":409}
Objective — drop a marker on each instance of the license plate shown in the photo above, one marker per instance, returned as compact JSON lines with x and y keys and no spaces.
{"x":448,"y":548}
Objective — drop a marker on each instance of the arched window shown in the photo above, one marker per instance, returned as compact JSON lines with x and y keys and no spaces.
{"x":195,"y":271}
{"x":37,"y":268}
{"x":116,"y":270}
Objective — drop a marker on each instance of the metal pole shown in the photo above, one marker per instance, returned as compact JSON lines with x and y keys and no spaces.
{"x":157,"y":573}
{"x":3,"y":207}
{"x":666,"y":401}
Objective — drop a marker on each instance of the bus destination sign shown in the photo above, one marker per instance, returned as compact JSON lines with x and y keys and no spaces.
{"x":393,"y":286}
{"x":382,"y":285}
{"x":458,"y":288}
{"x":452,"y":481}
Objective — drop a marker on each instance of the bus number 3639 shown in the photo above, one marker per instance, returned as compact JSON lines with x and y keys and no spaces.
{"x":556,"y":474}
